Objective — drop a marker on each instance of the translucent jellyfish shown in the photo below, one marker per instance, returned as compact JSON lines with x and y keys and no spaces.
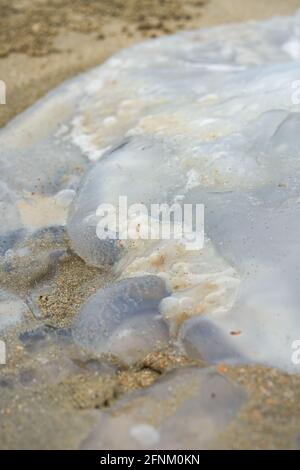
{"x":123,"y":320}
{"x":25,"y":258}
{"x":13,"y":310}
{"x":209,"y":117}
{"x":188,"y":408}
{"x":39,"y":171}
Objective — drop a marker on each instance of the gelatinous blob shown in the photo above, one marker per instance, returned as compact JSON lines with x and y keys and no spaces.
{"x":84,"y":240}
{"x":214,"y":121}
{"x":200,"y":282}
{"x":13,"y":310}
{"x":201,"y":339}
{"x":27,"y":257}
{"x":187,"y":409}
{"x":123,"y":320}
{"x":209,"y":116}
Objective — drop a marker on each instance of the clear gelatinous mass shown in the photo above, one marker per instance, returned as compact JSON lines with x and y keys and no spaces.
{"x":212,"y":116}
